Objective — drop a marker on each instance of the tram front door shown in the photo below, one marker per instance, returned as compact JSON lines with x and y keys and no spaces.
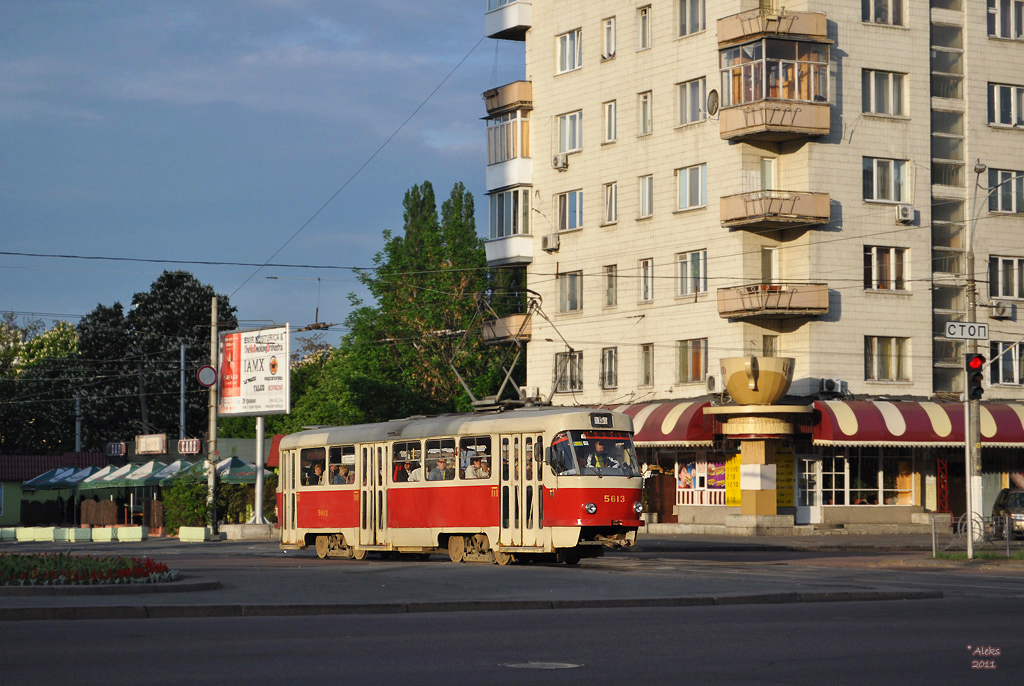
{"x":373,"y":464}
{"x":520,"y":490}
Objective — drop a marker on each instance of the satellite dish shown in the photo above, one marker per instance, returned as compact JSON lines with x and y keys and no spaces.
{"x":712,"y":104}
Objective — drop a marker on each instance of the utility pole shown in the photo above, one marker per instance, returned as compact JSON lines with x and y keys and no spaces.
{"x":211,"y":443}
{"x":181,"y":416}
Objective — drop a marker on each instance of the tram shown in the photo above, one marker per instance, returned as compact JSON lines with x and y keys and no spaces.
{"x":538,"y":483}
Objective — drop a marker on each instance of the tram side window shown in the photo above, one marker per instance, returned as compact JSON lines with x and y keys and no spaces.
{"x":341,"y":465}
{"x":441,"y":459}
{"x":562,"y":459}
{"x":313,"y":466}
{"x":475,"y":457}
{"x":407,"y":461}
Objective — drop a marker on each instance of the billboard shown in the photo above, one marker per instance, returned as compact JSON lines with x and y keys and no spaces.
{"x":254,"y":375}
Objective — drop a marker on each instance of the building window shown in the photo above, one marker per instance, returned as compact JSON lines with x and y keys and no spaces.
{"x":608,"y":47}
{"x":570,"y":210}
{"x":570,"y":132}
{"x":611,"y":203}
{"x":611,"y":125}
{"x":691,"y":16}
{"x":508,"y":136}
{"x":570,"y":291}
{"x":690,"y":101}
{"x":1006,"y":363}
{"x":646,"y":280}
{"x":1006,"y":19}
{"x":646,"y":196}
{"x":885,"y":268}
{"x":643,"y":26}
{"x":611,"y":285}
{"x":568,"y":371}
{"x":609,"y":367}
{"x":510,"y":213}
{"x":886,"y":358}
{"x":885,"y":180}
{"x":645,"y":113}
{"x":692,"y":187}
{"x":1007,"y":193}
{"x":1006,"y":277}
{"x":693,"y":360}
{"x":1005,"y":105}
{"x":693,"y":276}
{"x":770,"y":345}
{"x":570,"y":51}
{"x":882,"y":92}
{"x":646,"y":364}
{"x":774,"y":69}
{"x":883,"y":12}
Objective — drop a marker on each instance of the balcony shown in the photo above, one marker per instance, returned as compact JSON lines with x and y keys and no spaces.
{"x":511,"y":96}
{"x":774,"y":209}
{"x":775,"y":120}
{"x":509,"y":251}
{"x":757,"y":23}
{"x":773,"y":301}
{"x":514,"y":327}
{"x":517,"y":171}
{"x":508,"y":19}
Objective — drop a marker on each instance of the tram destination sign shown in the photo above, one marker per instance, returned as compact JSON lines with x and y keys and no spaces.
{"x":970,"y":331}
{"x":254,"y":373}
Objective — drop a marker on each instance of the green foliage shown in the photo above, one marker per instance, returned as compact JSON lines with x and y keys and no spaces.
{"x":65,"y":568}
{"x":185,"y":502}
{"x":234,"y":501}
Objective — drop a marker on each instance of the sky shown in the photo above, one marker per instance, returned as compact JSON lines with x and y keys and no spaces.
{"x":215,"y":130}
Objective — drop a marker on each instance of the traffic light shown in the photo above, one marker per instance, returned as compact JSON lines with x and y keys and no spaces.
{"x":974,"y":366}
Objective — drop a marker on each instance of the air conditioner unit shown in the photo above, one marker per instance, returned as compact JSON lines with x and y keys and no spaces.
{"x":830,"y":386}
{"x":550,"y":243}
{"x":529,"y":392}
{"x":715,"y":384}
{"x":560,"y":161}
{"x":904,"y":214}
{"x":1001,"y":310}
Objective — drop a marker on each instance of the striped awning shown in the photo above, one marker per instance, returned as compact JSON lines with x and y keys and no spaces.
{"x":881,"y":423}
{"x":670,"y":424}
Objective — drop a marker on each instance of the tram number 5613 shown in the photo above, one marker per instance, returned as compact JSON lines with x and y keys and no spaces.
{"x":615,"y":498}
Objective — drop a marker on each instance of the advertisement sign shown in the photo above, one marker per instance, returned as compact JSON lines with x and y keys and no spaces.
{"x":784,"y":459}
{"x":732,"y":481}
{"x":255,"y":373}
{"x":151,"y":444}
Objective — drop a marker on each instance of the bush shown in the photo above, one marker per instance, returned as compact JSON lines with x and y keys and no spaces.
{"x":234,"y":501}
{"x":185,"y":503}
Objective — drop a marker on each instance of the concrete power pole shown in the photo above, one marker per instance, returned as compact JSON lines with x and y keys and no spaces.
{"x":212,"y":441}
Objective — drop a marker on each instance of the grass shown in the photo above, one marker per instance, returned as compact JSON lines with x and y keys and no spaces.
{"x":979,"y":555}
{"x":58,"y":569}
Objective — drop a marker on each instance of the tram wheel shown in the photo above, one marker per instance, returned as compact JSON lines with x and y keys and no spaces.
{"x":569,"y":556}
{"x":457,"y":549}
{"x":358,"y":554}
{"x":322,"y":547}
{"x":503,"y":559}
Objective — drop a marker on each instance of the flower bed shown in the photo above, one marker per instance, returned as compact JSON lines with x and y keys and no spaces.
{"x":59,"y":569}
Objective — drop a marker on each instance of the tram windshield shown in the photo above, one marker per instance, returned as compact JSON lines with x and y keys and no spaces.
{"x":601,"y":453}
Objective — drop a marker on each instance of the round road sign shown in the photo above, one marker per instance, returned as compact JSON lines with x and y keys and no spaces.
{"x":207,"y":376}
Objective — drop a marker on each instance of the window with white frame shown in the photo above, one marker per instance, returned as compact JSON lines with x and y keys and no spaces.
{"x":1006,"y":19}
{"x":508,"y":136}
{"x":690,"y":98}
{"x":643,"y":28}
{"x":568,"y":371}
{"x":1007,"y":361}
{"x":646,"y":196}
{"x":774,"y":69}
{"x":1006,"y":277}
{"x":883,"y":12}
{"x":570,"y":291}
{"x":570,"y":51}
{"x":570,"y":132}
{"x":611,"y":285}
{"x":693,"y":360}
{"x":692,"y":270}
{"x":645,"y":113}
{"x":885,"y":268}
{"x":570,"y":210}
{"x":1005,"y":105}
{"x":611,"y":203}
{"x":510,"y":212}
{"x":608,"y":38}
{"x":692,"y":187}
{"x":646,"y":364}
{"x":886,"y":358}
{"x":611,"y":124}
{"x":882,"y":92}
{"x":885,"y":180}
{"x":646,"y":269}
{"x":1007,"y":191}
{"x":691,"y":16}
{"x":609,"y":367}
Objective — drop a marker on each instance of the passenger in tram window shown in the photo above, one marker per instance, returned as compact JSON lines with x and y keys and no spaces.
{"x":441,"y":471}
{"x":344,"y":476}
{"x":485,"y":467}
{"x":336,"y":477}
{"x":475,"y":471}
{"x":416,"y":474}
{"x":315,"y":478}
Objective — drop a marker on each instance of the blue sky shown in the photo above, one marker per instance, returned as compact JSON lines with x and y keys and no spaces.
{"x":213,"y":130}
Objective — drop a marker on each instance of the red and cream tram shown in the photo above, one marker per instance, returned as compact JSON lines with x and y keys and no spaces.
{"x":544,"y":483}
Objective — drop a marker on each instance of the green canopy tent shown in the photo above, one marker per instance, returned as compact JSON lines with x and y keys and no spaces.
{"x":230,"y":471}
{"x":105,"y":477}
{"x":44,"y":480}
{"x":163,"y":477}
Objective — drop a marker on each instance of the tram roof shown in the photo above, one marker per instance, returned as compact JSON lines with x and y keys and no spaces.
{"x":522,"y":419}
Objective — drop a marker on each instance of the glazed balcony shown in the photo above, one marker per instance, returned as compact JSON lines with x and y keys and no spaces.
{"x":761,"y":210}
{"x":514,"y":327}
{"x":508,"y":19}
{"x":509,"y":251}
{"x":773,"y":301}
{"x":757,"y":23}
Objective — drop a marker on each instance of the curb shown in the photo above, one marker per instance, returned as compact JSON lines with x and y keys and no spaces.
{"x":197,"y":611}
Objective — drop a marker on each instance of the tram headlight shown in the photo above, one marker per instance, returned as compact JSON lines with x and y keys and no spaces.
{"x":591,"y":508}
{"x":638,"y":507}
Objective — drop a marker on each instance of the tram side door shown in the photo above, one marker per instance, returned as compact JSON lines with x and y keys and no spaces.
{"x":289,"y":532}
{"x":519,"y":490}
{"x":373,"y":494}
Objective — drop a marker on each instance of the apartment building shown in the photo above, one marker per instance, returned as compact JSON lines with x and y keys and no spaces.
{"x":692,"y":181}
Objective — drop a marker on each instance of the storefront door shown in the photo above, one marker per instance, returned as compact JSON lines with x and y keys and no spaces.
{"x":808,"y":498}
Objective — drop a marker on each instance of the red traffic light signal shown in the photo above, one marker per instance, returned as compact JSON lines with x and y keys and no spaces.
{"x":974,"y":367}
